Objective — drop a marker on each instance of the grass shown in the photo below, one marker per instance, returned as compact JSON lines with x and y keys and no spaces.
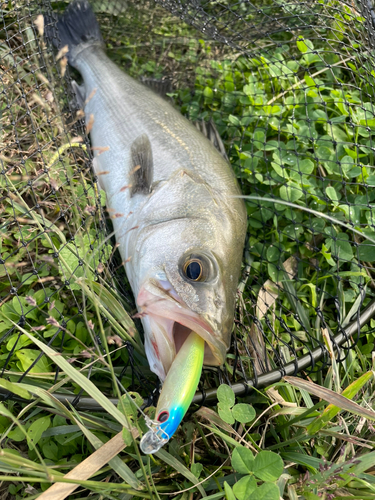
{"x":296,"y":115}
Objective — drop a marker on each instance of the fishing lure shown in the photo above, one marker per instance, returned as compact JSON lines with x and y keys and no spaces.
{"x":176,"y":395}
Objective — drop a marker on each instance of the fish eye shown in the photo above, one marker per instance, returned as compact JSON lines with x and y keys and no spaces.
{"x":193,"y":270}
{"x":197,"y":267}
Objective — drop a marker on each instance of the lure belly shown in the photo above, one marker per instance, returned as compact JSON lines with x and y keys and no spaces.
{"x":176,"y":395}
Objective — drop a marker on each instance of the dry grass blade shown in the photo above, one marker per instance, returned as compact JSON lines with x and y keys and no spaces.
{"x":214,"y":418}
{"x":116,"y":463}
{"x":331,"y":397}
{"x":86,"y":469}
{"x":332,"y":410}
{"x":267,"y":297}
{"x":270,"y":291}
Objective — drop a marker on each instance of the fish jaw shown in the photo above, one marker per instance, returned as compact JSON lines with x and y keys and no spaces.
{"x":159,"y":345}
{"x":167,"y":323}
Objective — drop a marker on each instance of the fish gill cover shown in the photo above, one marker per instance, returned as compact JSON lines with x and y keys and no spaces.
{"x":289,"y":89}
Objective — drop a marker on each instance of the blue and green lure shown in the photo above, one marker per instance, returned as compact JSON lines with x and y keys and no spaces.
{"x":176,"y":395}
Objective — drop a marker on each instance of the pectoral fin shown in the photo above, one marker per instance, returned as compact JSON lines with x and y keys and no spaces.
{"x":142,"y":167}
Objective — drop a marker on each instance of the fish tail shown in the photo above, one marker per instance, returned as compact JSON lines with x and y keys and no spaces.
{"x":76,"y":29}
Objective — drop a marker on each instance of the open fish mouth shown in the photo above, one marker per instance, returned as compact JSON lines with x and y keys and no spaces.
{"x":168,"y":323}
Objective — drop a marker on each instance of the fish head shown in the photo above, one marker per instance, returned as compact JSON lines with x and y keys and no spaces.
{"x":188,"y":282}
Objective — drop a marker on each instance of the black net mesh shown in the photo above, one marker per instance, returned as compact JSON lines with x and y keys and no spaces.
{"x":289,"y":87}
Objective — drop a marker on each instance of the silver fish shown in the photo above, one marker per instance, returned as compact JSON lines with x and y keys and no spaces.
{"x":177,"y":217}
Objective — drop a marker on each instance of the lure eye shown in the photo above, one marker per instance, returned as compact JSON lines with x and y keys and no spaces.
{"x":163,"y":417}
{"x":193,"y":270}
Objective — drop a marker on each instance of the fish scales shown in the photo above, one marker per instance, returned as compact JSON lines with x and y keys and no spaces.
{"x":127,"y":109}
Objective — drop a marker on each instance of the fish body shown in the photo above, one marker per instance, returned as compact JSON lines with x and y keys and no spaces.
{"x":175,"y":204}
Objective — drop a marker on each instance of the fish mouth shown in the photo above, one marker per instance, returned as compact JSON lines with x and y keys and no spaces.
{"x":167,"y":322}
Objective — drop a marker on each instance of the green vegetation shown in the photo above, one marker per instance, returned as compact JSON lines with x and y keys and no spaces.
{"x":296,"y":114}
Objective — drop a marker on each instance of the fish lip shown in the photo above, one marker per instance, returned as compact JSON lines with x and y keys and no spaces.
{"x":160,"y":312}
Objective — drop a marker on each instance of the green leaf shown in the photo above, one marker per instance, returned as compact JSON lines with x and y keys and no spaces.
{"x":225,"y":395}
{"x":309,"y":81}
{"x":16,"y":434}
{"x":51,"y":450}
{"x":272,"y":145}
{"x":268,"y":466}
{"x":327,"y":255}
{"x":244,"y":487}
{"x":107,"y":6}
{"x":281,"y":171}
{"x":208,"y":93}
{"x":347,"y":163}
{"x":290,"y":193}
{"x":69,"y":262}
{"x":304,"y":45}
{"x":289,"y":287}
{"x":225,"y":413}
{"x":36,"y":429}
{"x":337,"y":133}
{"x":129,"y":404}
{"x":234,"y":120}
{"x":127,"y":437}
{"x":196,"y":469}
{"x":306,"y":166}
{"x":354,"y":172}
{"x":249,"y":89}
{"x":273,"y":253}
{"x":341,"y":247}
{"x":242,"y":460}
{"x":332,"y":194}
{"x":267,"y":491}
{"x":27,"y":358}
{"x":311,"y":496}
{"x":259,"y":135}
{"x":366,"y":252}
{"x":275,"y":274}
{"x":229,"y":495}
{"x":243,"y":413}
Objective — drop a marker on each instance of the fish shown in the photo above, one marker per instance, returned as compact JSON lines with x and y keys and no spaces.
{"x":178,"y":216}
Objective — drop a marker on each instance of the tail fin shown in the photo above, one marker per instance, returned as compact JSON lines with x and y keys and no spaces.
{"x":77,"y":28}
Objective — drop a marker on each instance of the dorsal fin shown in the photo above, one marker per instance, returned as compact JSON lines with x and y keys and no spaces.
{"x":142,"y":167}
{"x":160,"y":87}
{"x":209,"y":130}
